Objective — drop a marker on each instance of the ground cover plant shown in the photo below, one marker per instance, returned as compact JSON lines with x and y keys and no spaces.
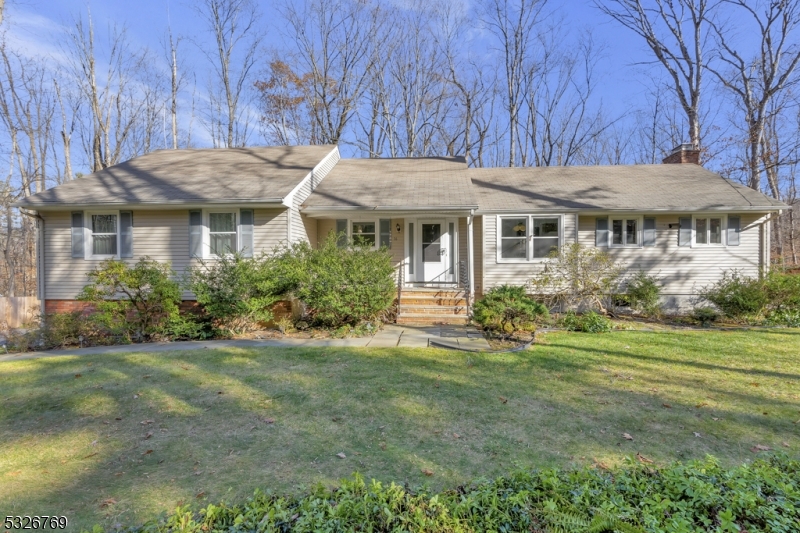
{"x":508,"y":308}
{"x":119,"y":438}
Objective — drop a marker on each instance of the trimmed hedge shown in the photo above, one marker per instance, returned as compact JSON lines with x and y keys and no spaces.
{"x":698,"y":496}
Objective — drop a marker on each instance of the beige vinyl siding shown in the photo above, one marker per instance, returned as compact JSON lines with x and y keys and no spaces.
{"x":477,"y":234}
{"x":301,"y":228}
{"x":684,"y":269}
{"x":513,"y":273}
{"x":324,"y":228}
{"x":161,"y":235}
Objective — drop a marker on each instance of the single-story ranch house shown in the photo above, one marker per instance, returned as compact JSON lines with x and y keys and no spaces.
{"x":453,"y":232}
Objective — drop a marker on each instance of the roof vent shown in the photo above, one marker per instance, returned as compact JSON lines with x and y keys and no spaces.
{"x":683,"y":153}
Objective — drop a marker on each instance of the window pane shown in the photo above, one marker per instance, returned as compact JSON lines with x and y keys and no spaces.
{"x":364,"y":239}
{"x":104,"y":224}
{"x":222,"y":244}
{"x":700,"y":228}
{"x":104,"y":244}
{"x":363,"y":227}
{"x":631,"y":235}
{"x":514,"y":248}
{"x":543,"y":247}
{"x":514,"y":227}
{"x":545,"y":227}
{"x":716,"y":231}
{"x":222,"y":222}
{"x":616,"y":232}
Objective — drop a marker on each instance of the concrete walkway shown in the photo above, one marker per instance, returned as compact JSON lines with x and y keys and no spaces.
{"x":389,"y":337}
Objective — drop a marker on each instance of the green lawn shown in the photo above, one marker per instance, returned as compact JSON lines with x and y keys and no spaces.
{"x":118,"y":438}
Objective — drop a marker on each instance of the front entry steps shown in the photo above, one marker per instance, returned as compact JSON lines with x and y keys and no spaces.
{"x":424,"y":306}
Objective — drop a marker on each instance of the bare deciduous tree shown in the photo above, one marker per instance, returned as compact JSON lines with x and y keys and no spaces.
{"x":234,"y":26}
{"x":676,"y":33}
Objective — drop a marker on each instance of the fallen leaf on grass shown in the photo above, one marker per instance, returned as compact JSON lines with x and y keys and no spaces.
{"x":427,"y":471}
{"x":135,"y":396}
{"x":627,"y":436}
{"x":14,"y":474}
{"x":715,"y":419}
{"x":382,"y":445}
{"x":503,"y":400}
{"x":118,"y":418}
{"x":108,"y":502}
{"x":760,"y":448}
{"x":668,"y":406}
{"x":267,"y":420}
{"x":78,"y":375}
{"x":696,"y":434}
{"x":599,"y":464}
{"x":341,"y":455}
{"x":148,"y":435}
{"x":90,"y":455}
{"x":643,"y":459}
{"x":148,"y":452}
{"x":200,"y":494}
{"x":456,"y":435}
{"x":785,"y":444}
{"x":699,"y":405}
{"x":145,"y":422}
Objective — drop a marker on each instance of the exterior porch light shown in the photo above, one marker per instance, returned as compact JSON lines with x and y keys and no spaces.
{"x":397,"y":227}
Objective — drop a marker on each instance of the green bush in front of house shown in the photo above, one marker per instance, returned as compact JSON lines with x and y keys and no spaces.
{"x":236,"y":292}
{"x":132,"y":302}
{"x":774,"y":297}
{"x":508,"y":307}
{"x":339,"y":285}
{"x":692,"y":497}
{"x":590,"y":322}
{"x":644,"y":293}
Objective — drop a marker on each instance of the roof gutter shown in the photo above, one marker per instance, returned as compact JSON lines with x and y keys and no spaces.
{"x":321,"y":209}
{"x":272,"y":202}
{"x":589,"y":210}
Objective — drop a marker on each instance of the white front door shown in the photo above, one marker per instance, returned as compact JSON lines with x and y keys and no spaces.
{"x":435,"y":251}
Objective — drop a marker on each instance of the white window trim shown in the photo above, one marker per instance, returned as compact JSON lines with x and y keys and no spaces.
{"x":639,"y":231}
{"x":88,"y":238}
{"x":723,"y":230}
{"x":207,"y":230}
{"x":528,"y":236}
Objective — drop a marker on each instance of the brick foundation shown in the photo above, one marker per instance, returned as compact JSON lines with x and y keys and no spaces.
{"x":281,"y":309}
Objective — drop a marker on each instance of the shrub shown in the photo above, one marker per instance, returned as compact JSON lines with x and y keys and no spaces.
{"x":590,"y":322}
{"x":644,"y":293}
{"x":578,"y":276}
{"x":507,"y":306}
{"x":235,"y":292}
{"x":784,"y":317}
{"x":705,"y":314}
{"x":783,"y":291}
{"x":339,"y":285}
{"x":135,"y":302}
{"x":737,"y":296}
{"x":678,"y":498}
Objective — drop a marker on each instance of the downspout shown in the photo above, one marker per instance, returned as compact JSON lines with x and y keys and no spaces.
{"x":470,"y":260}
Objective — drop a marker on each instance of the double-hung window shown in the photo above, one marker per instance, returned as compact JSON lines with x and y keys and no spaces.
{"x":526,"y":238}
{"x":708,"y":231}
{"x":105,"y":235}
{"x":222,"y":233}
{"x":625,"y":231}
{"x":363,"y":234}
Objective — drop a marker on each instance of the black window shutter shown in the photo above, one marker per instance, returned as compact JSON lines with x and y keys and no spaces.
{"x":649,"y":231}
{"x":195,"y":233}
{"x":685,"y":231}
{"x":601,"y":232}
{"x":77,"y":235}
{"x":341,"y":231}
{"x":734,"y":228}
{"x":386,"y":232}
{"x":126,"y":233}
{"x":246,"y":232}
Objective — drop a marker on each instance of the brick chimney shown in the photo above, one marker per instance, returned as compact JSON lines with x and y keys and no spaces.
{"x":683,"y":153}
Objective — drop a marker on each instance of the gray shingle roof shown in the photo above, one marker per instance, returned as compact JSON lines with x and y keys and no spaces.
{"x":202,"y":176}
{"x":680,"y":187}
{"x":428,"y":182}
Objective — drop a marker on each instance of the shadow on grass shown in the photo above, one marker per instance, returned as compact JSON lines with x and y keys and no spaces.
{"x":137,"y":433}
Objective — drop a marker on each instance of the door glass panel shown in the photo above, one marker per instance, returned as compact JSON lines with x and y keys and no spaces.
{"x":452,"y":233}
{"x":716,"y":231}
{"x":411,"y":248}
{"x":431,"y":243}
